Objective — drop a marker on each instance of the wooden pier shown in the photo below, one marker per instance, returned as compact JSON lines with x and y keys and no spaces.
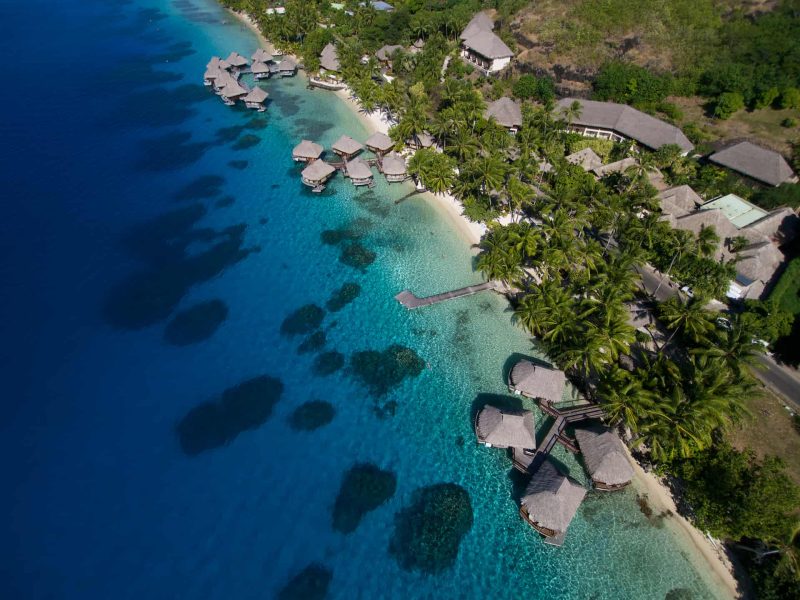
{"x":410,"y":301}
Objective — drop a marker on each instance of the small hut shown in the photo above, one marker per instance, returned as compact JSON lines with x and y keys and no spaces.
{"x":506,"y":112}
{"x":329,"y":60}
{"x":232,"y":92}
{"x":316,"y":174}
{"x":421,"y":140}
{"x":498,"y":429}
{"x":587,"y":159}
{"x":236,"y":61}
{"x":255,"y":99}
{"x":536,"y":381}
{"x":379,"y":143}
{"x":222,"y":79}
{"x":551,"y":501}
{"x":211,"y":75}
{"x":260,"y":70}
{"x":605,"y":457}
{"x":394,"y":167}
{"x":287,"y":67}
{"x":359,"y":172}
{"x":214,"y":62}
{"x":262,"y":56}
{"x":347,"y":147}
{"x":385,"y":53}
{"x":306,"y":151}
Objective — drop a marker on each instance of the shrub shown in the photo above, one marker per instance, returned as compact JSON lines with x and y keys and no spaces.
{"x":727,"y":104}
{"x":789,"y":123}
{"x":631,"y":84}
{"x":670,"y":110}
{"x":602,"y":148}
{"x":790,"y":98}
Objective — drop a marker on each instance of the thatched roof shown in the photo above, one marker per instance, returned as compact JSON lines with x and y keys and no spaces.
{"x":679,"y":200}
{"x":487,"y":44}
{"x":552,"y":499}
{"x":237,"y":60}
{"x":213,"y":73}
{"x":386,"y":52}
{"x":758,"y":262}
{"x":256,"y":95}
{"x":318,"y":171}
{"x":214,"y":62}
{"x":329,"y":58}
{"x":586,"y":158}
{"x":379,"y":141}
{"x":537,"y":381}
{"x":224,"y":64}
{"x":756,"y":162}
{"x":781,"y":224}
{"x":424,"y":140}
{"x":627,"y":121}
{"x":480,"y":22}
{"x":358,"y":169}
{"x":307,"y":149}
{"x":715,"y":218}
{"x":604,"y":455}
{"x":261,"y":55}
{"x":394,"y":164}
{"x":259,"y":67}
{"x":506,"y":429}
{"x":287,"y":64}
{"x":505,"y":111}
{"x":347,"y":145}
{"x":233,"y":90}
{"x":619,"y":166}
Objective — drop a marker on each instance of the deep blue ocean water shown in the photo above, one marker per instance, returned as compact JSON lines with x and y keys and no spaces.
{"x":131,"y":194}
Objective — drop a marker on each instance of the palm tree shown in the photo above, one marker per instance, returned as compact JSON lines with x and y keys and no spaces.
{"x":625,"y":400}
{"x":735,"y":346}
{"x":682,"y":243}
{"x":689,"y":317}
{"x":707,"y":241}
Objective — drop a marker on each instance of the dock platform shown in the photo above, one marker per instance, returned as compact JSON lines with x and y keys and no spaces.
{"x":410,"y":301}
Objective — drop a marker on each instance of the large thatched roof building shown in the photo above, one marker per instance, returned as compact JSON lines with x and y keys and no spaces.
{"x":346,"y":147}
{"x":306,"y":151}
{"x":763,"y":165}
{"x":506,"y":112}
{"x":551,"y":501}
{"x":536,"y":381}
{"x":501,"y":429}
{"x":605,"y":457}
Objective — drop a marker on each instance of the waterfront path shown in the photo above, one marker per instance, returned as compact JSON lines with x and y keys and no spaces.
{"x":410,"y":301}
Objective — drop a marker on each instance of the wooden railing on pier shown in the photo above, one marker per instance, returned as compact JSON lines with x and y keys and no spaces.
{"x":410,"y":301}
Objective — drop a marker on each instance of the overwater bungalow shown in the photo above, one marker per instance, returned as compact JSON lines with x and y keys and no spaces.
{"x":550,"y":502}
{"x":211,"y":75}
{"x":394,"y":167}
{"x":306,"y":151}
{"x":236,"y":61}
{"x":224,"y":65}
{"x":214,"y":62}
{"x":605,"y":457}
{"x":287,"y":67}
{"x":316,"y":174}
{"x":347,"y":147}
{"x":255,"y":99}
{"x":232,"y":92}
{"x":379,"y":143}
{"x":262,"y":56}
{"x":359,"y":172}
{"x":536,"y":381}
{"x":222,"y":79}
{"x":498,"y":429}
{"x":260,"y":70}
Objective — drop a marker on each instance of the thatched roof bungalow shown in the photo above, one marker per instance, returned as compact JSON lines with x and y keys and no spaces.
{"x":757,"y":163}
{"x":329,"y":59}
{"x":619,"y":166}
{"x":287,"y":67}
{"x":232,"y":92}
{"x":359,"y":172}
{"x":394,"y":167}
{"x":587,"y":159}
{"x":499,"y":429}
{"x":317,"y":173}
{"x":347,"y":147}
{"x":236,"y":60}
{"x":386,"y":53}
{"x":421,"y":140}
{"x":536,"y":381}
{"x":255,"y":99}
{"x":260,"y":70}
{"x":605,"y":457}
{"x":480,"y":22}
{"x":506,"y":112}
{"x":262,"y":55}
{"x":551,"y":501}
{"x":486,"y":51}
{"x":307,"y":151}
{"x":211,"y":75}
{"x":379,"y":143}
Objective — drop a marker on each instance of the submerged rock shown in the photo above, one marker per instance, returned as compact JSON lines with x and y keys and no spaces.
{"x":364,"y":488}
{"x":312,"y":415}
{"x":328,"y":363}
{"x":309,"y":584}
{"x":343,"y":296}
{"x":381,"y":371}
{"x":196,"y":323}
{"x":244,"y":406}
{"x":428,"y":533}
{"x":304,"y":320}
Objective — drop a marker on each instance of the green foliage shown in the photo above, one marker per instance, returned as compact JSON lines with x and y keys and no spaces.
{"x":671,"y":110}
{"x":788,"y":123}
{"x":786,"y":292}
{"x":790,"y":98}
{"x":434,"y":170}
{"x":735,"y":496}
{"x":631,"y":84}
{"x":786,"y":194}
{"x":766,"y":320}
{"x":728,"y":103}
{"x":766,"y":98}
{"x":529,"y":87}
{"x":602,"y":148}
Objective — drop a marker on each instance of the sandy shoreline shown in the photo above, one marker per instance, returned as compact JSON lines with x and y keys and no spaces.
{"x":658,"y":495}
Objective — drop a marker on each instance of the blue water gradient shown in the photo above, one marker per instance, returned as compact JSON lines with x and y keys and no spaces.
{"x":131,"y":195}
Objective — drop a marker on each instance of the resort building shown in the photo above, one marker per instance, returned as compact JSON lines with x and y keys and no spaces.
{"x":619,"y":122}
{"x":232,"y":92}
{"x":379,"y":143}
{"x":236,"y":61}
{"x":316,"y":174}
{"x":287,"y":67}
{"x":329,"y":61}
{"x":757,"y":163}
{"x":260,"y":70}
{"x":359,"y":172}
{"x":587,"y":159}
{"x":619,"y":166}
{"x":550,"y":502}
{"x":385,"y":53}
{"x":255,"y":99}
{"x":536,"y":381}
{"x":506,"y":112}
{"x":421,"y":140}
{"x":211,"y":74}
{"x":262,"y":56}
{"x":394,"y":168}
{"x":605,"y":457}
{"x":487,"y":52}
{"x":497,"y":429}
{"x":678,"y":201}
{"x":480,"y":22}
{"x":306,"y":151}
{"x":347,"y":147}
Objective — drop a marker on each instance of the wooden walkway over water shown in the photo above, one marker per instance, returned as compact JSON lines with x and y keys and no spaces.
{"x":410,"y":301}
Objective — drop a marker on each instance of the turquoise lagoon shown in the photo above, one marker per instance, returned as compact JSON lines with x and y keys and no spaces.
{"x":136,"y":195}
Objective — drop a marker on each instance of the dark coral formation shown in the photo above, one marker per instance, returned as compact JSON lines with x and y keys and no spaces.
{"x":343,"y":296}
{"x":328,"y":363}
{"x":309,"y":584}
{"x":304,"y":320}
{"x":313,"y":343}
{"x":246,"y":141}
{"x":364,"y":488}
{"x":242,"y":407}
{"x":428,"y":533}
{"x":381,"y":371}
{"x":205,"y":186}
{"x":332,"y":237}
{"x":312,"y":415}
{"x":357,"y":255}
{"x":196,"y":323}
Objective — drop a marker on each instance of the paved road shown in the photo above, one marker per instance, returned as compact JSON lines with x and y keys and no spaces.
{"x":782,"y":380}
